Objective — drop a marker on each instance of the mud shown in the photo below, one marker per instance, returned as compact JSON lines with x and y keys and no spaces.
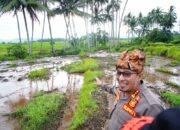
{"x":98,"y":120}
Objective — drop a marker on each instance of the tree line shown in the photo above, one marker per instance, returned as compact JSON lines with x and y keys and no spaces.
{"x":97,"y":15}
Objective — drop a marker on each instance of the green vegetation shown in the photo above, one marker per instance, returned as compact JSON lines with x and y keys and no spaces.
{"x":14,"y":51}
{"x":30,"y":60}
{"x":162,"y":49}
{"x":157,"y":35}
{"x":174,"y":63}
{"x":82,"y":54}
{"x":171,"y":98}
{"x":12,"y":65}
{"x":89,"y":76}
{"x":41,"y":113}
{"x":87,"y":105}
{"x":172,"y":84}
{"x":39,"y":74}
{"x":81,"y":67}
{"x":17,"y":50}
{"x":164,"y":70}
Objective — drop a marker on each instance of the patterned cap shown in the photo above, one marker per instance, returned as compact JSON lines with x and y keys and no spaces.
{"x":134,"y":61}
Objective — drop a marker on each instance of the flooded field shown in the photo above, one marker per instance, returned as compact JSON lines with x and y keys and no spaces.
{"x":16,"y":90}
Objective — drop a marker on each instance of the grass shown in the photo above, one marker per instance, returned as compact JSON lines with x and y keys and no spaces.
{"x":170,"y":51}
{"x":170,"y":83}
{"x":172,"y":98}
{"x":36,"y":47}
{"x":87,"y":106}
{"x":12,"y":65}
{"x":41,"y":113}
{"x":81,"y":67}
{"x":90,"y":76}
{"x":164,"y":70}
{"x":174,"y":63}
{"x":39,"y":74}
{"x":30,"y":60}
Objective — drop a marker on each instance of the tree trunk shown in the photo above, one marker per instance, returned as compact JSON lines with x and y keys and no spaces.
{"x":50,"y":32}
{"x":19,"y":32}
{"x":32,"y":35}
{"x":27,"y":32}
{"x":43,"y":30}
{"x":122,"y":18}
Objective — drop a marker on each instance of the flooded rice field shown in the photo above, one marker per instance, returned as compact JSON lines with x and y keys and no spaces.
{"x":16,"y":90}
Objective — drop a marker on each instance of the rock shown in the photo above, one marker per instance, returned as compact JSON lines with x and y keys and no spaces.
{"x":21,"y":78}
{"x":1,"y":71}
{"x":1,"y":77}
{"x":5,"y":80}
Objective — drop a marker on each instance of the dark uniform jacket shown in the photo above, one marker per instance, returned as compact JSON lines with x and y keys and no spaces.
{"x":146,"y":106}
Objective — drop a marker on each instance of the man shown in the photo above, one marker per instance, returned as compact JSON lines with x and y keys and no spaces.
{"x":132,"y":98}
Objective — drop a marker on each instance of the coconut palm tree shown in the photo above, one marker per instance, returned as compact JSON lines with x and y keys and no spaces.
{"x":168,"y":19}
{"x":143,"y":24}
{"x":122,"y":17}
{"x":131,"y":22}
{"x":69,"y":8}
{"x":8,"y":6}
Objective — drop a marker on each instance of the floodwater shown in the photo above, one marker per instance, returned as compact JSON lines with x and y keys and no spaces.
{"x":16,"y":90}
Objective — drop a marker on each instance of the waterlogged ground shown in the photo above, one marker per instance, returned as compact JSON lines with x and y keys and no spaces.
{"x":16,"y":90}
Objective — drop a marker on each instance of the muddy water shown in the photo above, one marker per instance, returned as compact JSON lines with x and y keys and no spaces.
{"x":16,"y":90}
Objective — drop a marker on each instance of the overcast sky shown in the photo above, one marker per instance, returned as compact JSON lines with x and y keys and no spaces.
{"x":8,"y":24}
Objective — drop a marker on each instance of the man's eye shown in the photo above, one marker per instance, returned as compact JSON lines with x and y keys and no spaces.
{"x":126,"y":74}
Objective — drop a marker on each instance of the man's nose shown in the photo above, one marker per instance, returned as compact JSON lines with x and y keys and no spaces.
{"x":121,"y":77}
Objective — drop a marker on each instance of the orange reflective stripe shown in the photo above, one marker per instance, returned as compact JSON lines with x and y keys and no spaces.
{"x":129,"y":110}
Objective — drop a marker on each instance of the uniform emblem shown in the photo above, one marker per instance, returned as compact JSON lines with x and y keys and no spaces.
{"x":129,"y":110}
{"x":130,"y":106}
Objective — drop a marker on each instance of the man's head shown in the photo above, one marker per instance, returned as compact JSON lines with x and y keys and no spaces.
{"x":130,"y":69}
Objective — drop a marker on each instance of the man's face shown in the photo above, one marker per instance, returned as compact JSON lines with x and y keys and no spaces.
{"x":128,"y":80}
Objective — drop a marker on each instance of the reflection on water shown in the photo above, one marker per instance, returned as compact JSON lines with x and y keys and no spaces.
{"x":17,"y":93}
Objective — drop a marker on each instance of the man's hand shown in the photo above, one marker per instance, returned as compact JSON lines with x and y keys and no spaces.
{"x":99,"y":82}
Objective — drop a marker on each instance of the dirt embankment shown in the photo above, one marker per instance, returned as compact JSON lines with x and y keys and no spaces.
{"x":98,"y":120}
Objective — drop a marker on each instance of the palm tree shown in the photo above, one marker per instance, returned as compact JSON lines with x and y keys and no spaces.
{"x":31,"y":7}
{"x":131,"y":22}
{"x":156,"y":16}
{"x":7,"y":6}
{"x":69,"y":8}
{"x":127,"y":21}
{"x":168,"y":19}
{"x":122,"y":16}
{"x":143,"y":24}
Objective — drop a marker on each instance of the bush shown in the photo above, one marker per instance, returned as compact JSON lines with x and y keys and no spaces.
{"x":17,"y":51}
{"x":68,"y":51}
{"x":159,"y":36}
{"x":139,"y":40}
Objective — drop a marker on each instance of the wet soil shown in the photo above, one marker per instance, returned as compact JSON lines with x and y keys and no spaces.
{"x":98,"y":120}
